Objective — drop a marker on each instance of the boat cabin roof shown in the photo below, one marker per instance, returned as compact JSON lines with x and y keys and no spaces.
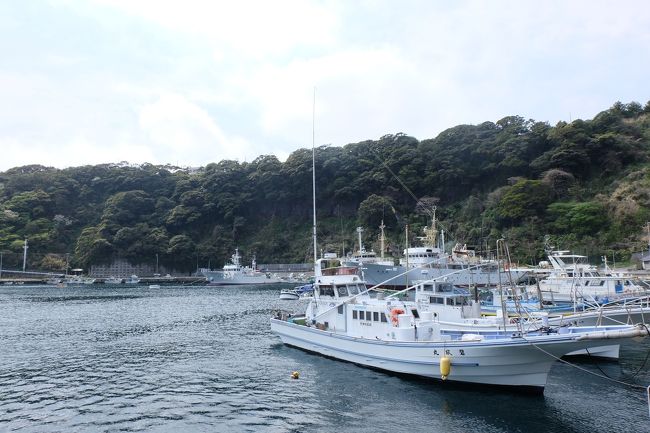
{"x":340,"y":290}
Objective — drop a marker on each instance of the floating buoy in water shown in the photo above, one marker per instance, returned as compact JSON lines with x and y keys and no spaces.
{"x":445,"y":367}
{"x":295,"y":375}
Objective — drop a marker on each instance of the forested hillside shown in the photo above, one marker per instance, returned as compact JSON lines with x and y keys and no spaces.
{"x":584,"y":183}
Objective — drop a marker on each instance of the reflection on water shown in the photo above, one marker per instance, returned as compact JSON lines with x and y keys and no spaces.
{"x":204,"y":359}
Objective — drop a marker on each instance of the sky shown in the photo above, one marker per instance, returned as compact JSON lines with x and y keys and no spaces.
{"x":192,"y":82}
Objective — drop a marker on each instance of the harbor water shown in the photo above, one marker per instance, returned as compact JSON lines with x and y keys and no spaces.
{"x":121,"y":359}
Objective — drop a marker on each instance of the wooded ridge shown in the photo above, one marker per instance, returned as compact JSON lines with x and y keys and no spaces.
{"x":585,"y":183}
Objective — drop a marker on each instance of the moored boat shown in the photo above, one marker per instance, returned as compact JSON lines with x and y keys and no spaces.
{"x":133,"y":279}
{"x":113,"y":280}
{"x":345,"y":322}
{"x":429,"y":261}
{"x":296,"y":293}
{"x":570,"y":278}
{"x":234,"y":273}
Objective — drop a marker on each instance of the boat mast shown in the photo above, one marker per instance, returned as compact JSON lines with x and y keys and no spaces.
{"x":382,"y":239}
{"x":406,"y":275}
{"x":313,"y":169}
{"x":25,"y":255}
{"x":359,"y":231}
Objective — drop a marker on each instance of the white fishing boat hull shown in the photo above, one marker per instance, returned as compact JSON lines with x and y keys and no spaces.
{"x":523,"y":363}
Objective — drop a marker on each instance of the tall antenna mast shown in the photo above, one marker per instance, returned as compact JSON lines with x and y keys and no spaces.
{"x":313,"y":168}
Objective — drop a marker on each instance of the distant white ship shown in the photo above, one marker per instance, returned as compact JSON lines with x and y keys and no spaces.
{"x":234,"y":273}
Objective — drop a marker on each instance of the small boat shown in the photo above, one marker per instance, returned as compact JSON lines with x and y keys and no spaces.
{"x":289,"y":295}
{"x":113,"y":280}
{"x":133,"y":279}
{"x":296,"y":293}
{"x":74,"y":280}
{"x":154,"y":286}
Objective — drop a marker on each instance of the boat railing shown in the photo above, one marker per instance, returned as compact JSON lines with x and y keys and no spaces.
{"x":395,"y":294}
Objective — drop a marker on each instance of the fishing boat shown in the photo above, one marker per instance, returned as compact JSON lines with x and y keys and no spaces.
{"x":459,"y":312}
{"x":234,"y":273}
{"x":74,"y":280}
{"x":113,"y":280}
{"x":363,"y":256}
{"x":345,"y":322}
{"x":429,"y":261}
{"x":570,"y":278}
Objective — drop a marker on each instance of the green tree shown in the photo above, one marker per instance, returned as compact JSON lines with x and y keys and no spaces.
{"x":526,"y":198}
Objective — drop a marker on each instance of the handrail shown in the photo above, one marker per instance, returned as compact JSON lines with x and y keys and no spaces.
{"x":401,"y":291}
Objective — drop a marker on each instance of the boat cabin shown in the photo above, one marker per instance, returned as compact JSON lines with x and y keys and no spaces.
{"x":446,"y":302}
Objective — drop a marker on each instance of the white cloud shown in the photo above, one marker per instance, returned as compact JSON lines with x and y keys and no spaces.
{"x":254,"y":28}
{"x":197,"y":81}
{"x":179,"y":130}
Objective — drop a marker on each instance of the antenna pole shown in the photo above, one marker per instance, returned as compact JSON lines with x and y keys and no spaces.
{"x":25,"y":255}
{"x":313,"y":168}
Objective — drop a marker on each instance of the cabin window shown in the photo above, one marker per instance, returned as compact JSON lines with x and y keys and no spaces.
{"x":362,"y":315}
{"x":375,"y":316}
{"x":435,"y":300}
{"x":602,"y":282}
{"x":340,"y":309}
{"x":343,"y":291}
{"x":354,"y":314}
{"x":327,"y":291}
{"x":586,"y":283}
{"x":415,"y":314}
{"x":383,"y":318}
{"x":353,"y":290}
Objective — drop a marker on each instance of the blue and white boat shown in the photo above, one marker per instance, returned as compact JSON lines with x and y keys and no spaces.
{"x":297,"y":292}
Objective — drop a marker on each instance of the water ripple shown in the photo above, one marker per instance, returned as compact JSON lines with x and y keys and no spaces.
{"x":204,"y":359}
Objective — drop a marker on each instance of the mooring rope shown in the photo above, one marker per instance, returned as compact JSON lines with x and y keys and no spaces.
{"x":602,"y":376}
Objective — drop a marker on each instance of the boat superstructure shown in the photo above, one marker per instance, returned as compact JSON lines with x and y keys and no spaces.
{"x":429,"y":261}
{"x":363,"y":256}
